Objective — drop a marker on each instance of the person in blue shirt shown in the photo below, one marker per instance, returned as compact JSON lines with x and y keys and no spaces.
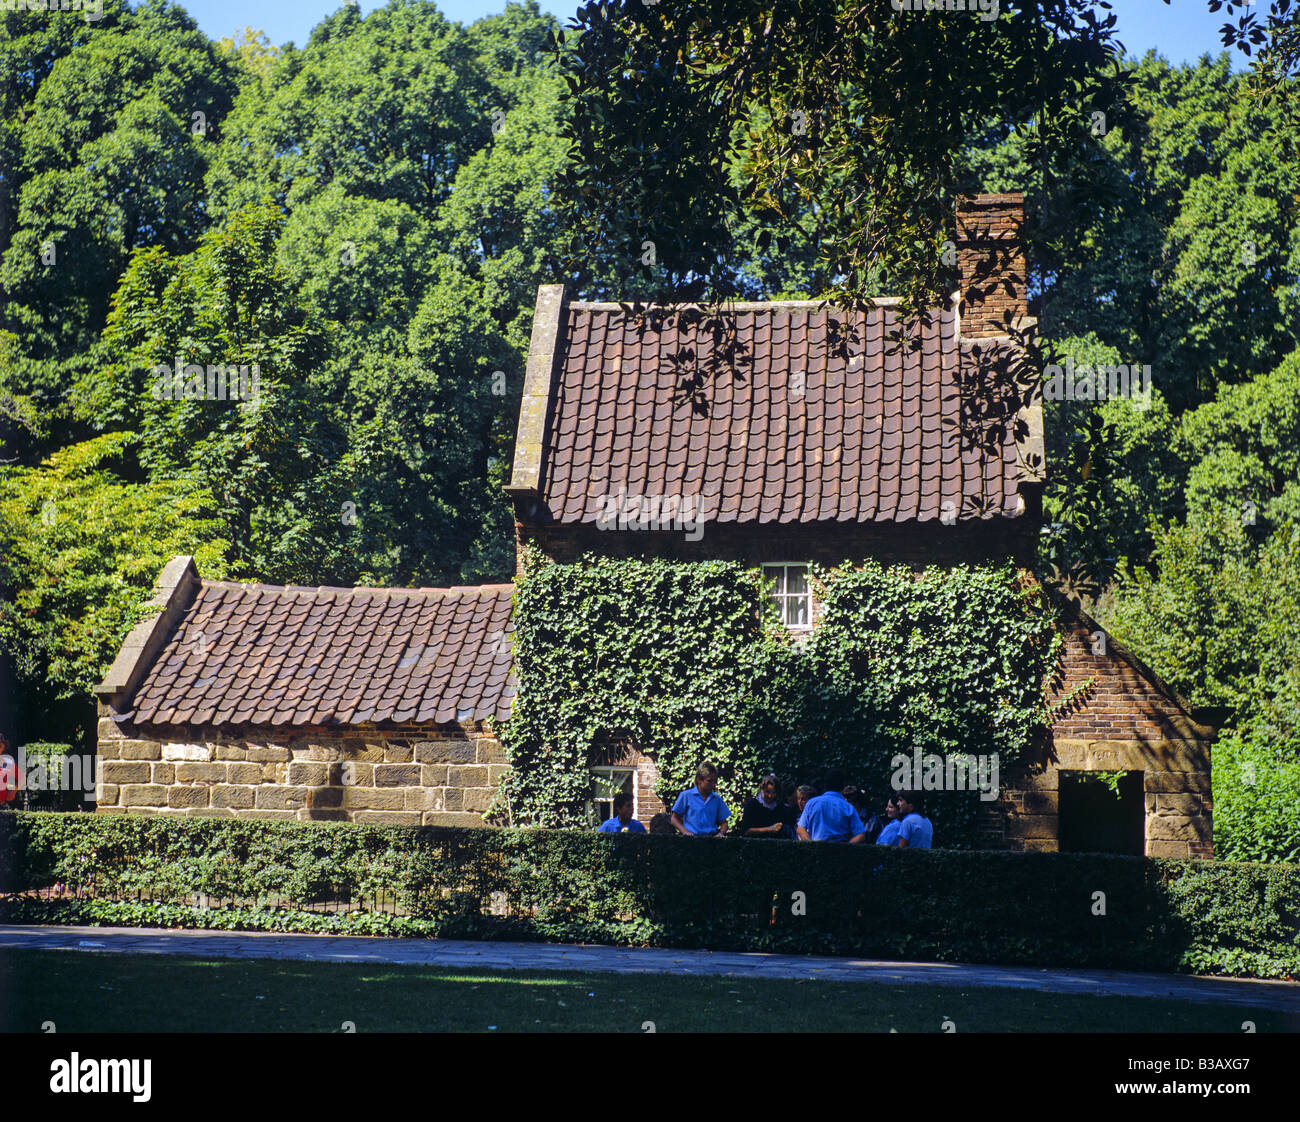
{"x":698,"y":811}
{"x":622,"y":822}
{"x":894,"y":823}
{"x":916,"y":831}
{"x":830,"y":816}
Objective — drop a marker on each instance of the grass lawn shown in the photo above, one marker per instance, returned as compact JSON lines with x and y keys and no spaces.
{"x":104,"y":992}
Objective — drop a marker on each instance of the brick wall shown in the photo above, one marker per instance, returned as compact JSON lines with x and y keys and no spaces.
{"x":991,"y":260}
{"x":647,"y":807}
{"x":1122,"y":701}
{"x":1123,"y":721}
{"x":410,"y":775}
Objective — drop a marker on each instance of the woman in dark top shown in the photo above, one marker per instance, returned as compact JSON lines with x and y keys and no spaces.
{"x":860,"y":803}
{"x":764,"y":814}
{"x":789,"y":810}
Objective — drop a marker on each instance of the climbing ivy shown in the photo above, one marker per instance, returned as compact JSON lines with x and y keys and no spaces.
{"x":688,"y":661}
{"x":661,"y":655}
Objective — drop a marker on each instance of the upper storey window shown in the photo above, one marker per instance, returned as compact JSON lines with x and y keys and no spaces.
{"x":791,"y":593}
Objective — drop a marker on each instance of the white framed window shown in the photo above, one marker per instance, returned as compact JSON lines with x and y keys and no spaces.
{"x":606,"y":782}
{"x":791,"y":593}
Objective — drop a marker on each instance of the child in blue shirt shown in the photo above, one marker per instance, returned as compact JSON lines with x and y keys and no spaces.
{"x":622,"y":822}
{"x":698,"y":811}
{"x":830,"y":816}
{"x":894,"y":823}
{"x":916,"y":831}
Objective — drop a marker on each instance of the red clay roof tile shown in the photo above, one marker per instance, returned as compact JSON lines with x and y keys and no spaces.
{"x":281,"y":656}
{"x":800,"y":415}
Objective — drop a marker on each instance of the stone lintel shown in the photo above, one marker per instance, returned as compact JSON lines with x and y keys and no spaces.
{"x":1132,"y":755}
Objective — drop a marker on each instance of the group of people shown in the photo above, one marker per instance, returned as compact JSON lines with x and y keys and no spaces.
{"x":838,"y":812}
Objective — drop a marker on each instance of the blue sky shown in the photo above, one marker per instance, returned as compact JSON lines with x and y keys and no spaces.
{"x":1183,"y":31}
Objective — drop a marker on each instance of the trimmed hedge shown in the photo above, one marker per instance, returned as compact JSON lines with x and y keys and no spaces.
{"x":740,"y":894}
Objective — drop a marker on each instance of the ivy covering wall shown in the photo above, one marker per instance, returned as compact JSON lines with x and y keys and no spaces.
{"x":688,"y":661}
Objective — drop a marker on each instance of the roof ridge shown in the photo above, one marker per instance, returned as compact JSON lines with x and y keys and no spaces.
{"x":316,"y":590}
{"x":737,"y":305}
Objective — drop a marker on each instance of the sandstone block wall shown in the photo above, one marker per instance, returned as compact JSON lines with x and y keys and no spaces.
{"x":409,"y":775}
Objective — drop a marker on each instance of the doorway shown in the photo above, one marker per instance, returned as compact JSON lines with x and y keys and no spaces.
{"x":1095,"y":819}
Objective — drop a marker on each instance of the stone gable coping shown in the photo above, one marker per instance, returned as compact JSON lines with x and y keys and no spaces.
{"x":177,"y":586}
{"x":525,"y":481}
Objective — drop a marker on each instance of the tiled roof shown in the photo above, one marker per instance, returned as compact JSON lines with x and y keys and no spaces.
{"x":267,"y":655}
{"x":790,"y":413}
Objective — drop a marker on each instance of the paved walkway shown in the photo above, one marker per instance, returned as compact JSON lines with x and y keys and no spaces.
{"x":1284,"y":996}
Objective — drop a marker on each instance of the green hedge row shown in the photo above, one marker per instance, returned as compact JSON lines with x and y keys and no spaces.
{"x":1040,"y":908}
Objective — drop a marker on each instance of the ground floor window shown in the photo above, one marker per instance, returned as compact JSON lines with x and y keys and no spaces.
{"x":606,"y":782}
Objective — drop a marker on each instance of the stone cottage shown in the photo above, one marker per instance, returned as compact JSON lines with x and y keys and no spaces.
{"x":360,"y":704}
{"x":777,"y":434}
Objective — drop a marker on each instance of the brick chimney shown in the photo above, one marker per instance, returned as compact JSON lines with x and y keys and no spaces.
{"x":991,"y":261}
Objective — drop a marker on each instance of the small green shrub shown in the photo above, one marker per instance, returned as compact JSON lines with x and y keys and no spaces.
{"x":1256,"y":782}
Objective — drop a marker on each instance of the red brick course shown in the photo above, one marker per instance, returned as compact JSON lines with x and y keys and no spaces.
{"x":992,"y":263}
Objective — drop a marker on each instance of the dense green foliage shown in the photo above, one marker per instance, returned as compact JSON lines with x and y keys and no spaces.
{"x":367,"y":217}
{"x":1214,"y":609}
{"x":104,"y":156}
{"x":690,"y":118}
{"x":81,"y":547}
{"x":1038,"y":908}
{"x":1183,"y":253}
{"x":1256,"y":776}
{"x":371,"y":237}
{"x":668,"y":657}
{"x":688,"y":662}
